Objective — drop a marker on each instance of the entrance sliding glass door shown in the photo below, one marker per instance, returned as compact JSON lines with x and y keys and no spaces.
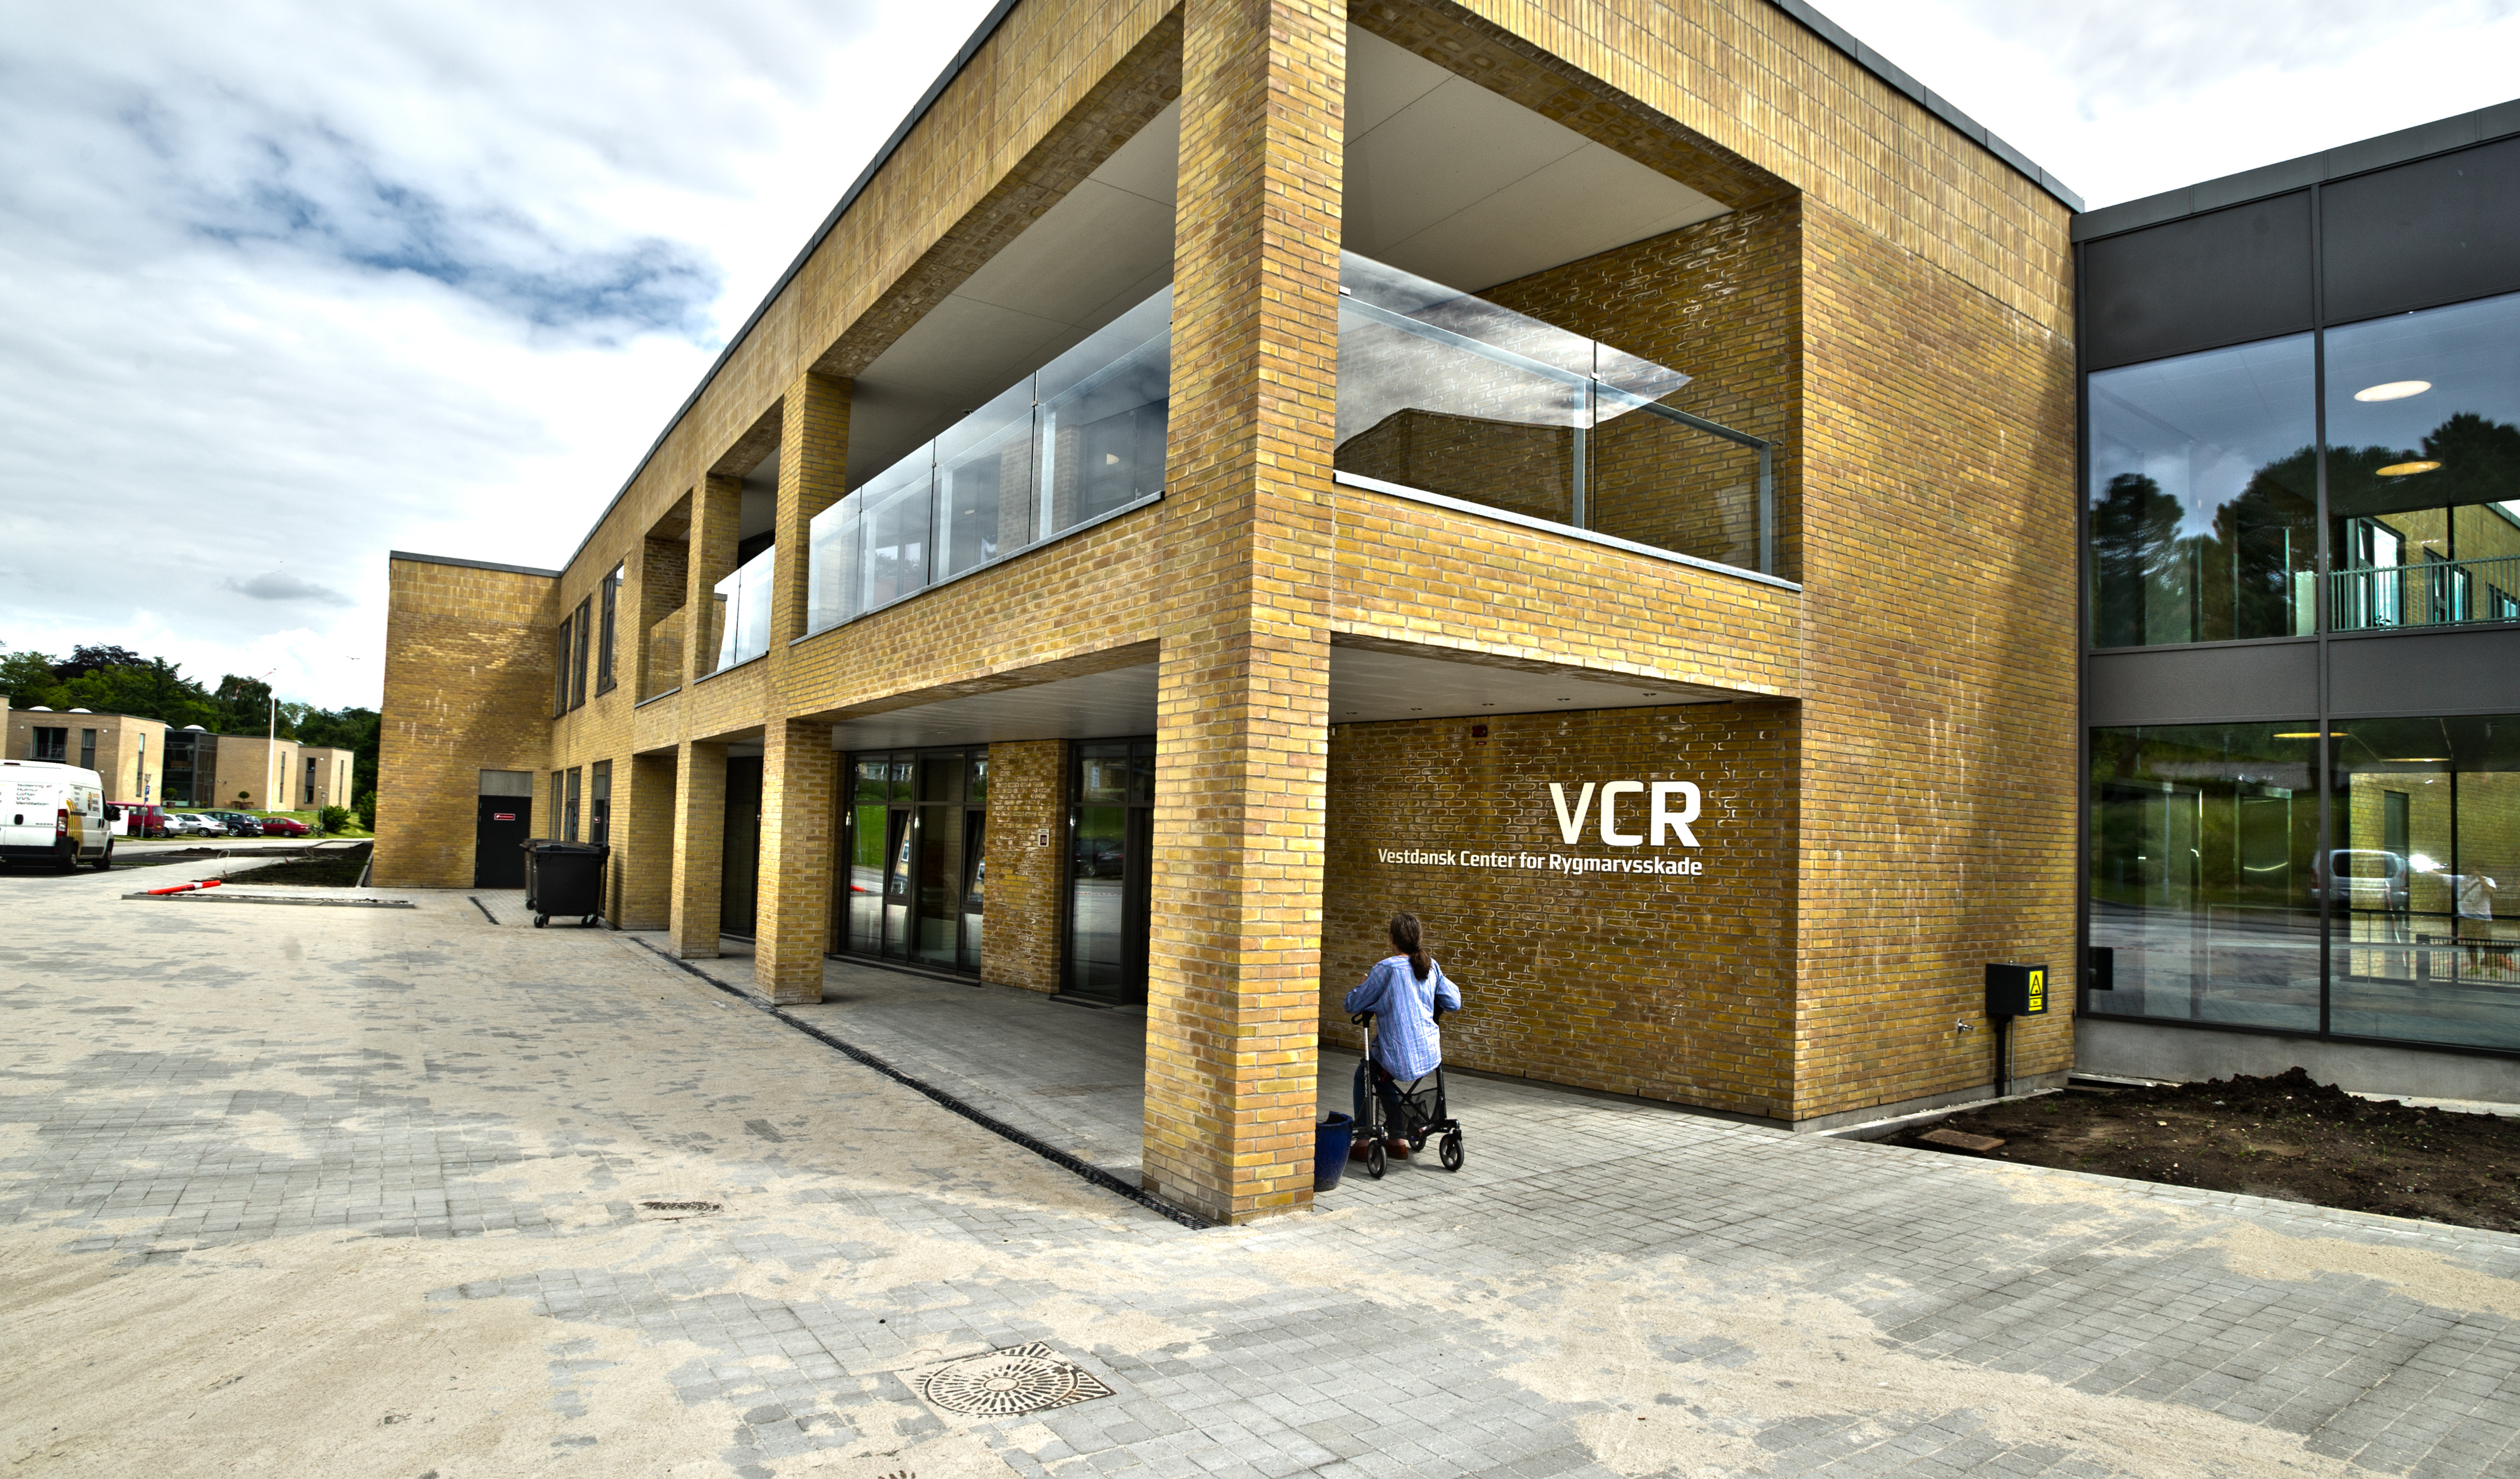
{"x":914,"y":837}
{"x":1110,"y":834}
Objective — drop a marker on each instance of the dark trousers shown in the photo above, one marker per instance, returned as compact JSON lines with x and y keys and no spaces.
{"x":1387,"y":1089}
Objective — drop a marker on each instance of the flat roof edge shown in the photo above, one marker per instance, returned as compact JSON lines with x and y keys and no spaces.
{"x":2406,"y":144}
{"x":470,"y":564}
{"x":1932,"y":102}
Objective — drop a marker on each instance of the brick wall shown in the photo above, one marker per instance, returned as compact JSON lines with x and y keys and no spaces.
{"x":467,"y":687}
{"x":1020,"y":943}
{"x":1671,"y":987}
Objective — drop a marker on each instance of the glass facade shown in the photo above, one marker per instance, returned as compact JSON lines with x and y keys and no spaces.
{"x":2204,"y":497}
{"x":2423,"y":466}
{"x":1080,"y":439}
{"x":915,"y":837}
{"x":2203,"y":839}
{"x":1446,"y":393}
{"x":2204,"y":482}
{"x":2424,"y":912}
{"x":1110,"y":846}
{"x":2210,"y":876}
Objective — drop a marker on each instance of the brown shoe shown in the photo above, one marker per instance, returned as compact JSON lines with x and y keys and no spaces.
{"x":1396,"y":1147}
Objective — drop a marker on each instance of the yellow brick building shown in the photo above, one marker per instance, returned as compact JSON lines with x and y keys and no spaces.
{"x":1599,"y":476}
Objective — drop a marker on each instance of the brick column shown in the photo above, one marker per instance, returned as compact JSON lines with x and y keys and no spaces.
{"x":1019,"y":940}
{"x":717,"y":516}
{"x":643,"y":833}
{"x":699,"y":847}
{"x":1242,"y":691}
{"x":812,"y":472}
{"x":793,"y":924}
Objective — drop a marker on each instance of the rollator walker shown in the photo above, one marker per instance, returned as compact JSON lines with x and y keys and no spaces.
{"x":1422,"y":1114}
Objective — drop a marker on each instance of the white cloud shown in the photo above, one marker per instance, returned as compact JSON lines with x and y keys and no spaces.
{"x":285,"y":286}
{"x":2134,"y":96}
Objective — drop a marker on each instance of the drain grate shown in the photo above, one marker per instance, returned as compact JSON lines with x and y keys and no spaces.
{"x":676,"y":1210}
{"x":1024,"y":1378}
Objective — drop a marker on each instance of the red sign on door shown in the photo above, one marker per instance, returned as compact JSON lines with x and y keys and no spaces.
{"x":503,"y":816}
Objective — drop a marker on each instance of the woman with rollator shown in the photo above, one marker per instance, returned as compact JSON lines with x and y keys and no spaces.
{"x":1407,"y":995}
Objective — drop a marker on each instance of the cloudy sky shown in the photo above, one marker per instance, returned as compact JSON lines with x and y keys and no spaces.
{"x":286,"y":285}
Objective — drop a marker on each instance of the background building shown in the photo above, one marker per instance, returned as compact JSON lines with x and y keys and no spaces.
{"x":126,"y":751}
{"x":2302,"y":618}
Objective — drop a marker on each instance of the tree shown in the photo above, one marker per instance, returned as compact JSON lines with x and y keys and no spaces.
{"x":154,"y":688}
{"x":244,"y":707}
{"x":27,"y":679}
{"x":88,"y":659}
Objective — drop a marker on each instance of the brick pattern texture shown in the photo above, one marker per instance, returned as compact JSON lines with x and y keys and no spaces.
{"x":1243,"y":690}
{"x":1669,"y":986}
{"x":799,"y":830}
{"x":1028,"y":856}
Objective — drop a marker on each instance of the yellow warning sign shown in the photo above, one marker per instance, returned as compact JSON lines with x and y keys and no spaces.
{"x":2038,"y":992}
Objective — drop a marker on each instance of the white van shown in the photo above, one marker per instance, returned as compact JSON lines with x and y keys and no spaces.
{"x":53,"y":813}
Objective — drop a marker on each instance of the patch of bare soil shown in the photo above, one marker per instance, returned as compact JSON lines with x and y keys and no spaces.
{"x":2282,"y":1137}
{"x":333,"y":867}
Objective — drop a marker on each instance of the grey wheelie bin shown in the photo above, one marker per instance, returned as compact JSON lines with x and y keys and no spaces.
{"x":564,"y":878}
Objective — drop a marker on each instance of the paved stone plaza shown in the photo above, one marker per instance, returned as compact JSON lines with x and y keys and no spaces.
{"x":359,"y":1190}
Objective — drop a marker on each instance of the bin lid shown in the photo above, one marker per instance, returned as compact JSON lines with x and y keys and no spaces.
{"x":549,"y":845}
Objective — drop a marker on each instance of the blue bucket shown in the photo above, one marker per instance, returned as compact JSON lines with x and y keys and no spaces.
{"x":1332,"y":1138}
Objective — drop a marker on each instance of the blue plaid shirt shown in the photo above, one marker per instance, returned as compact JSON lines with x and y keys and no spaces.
{"x":1405,"y":1039}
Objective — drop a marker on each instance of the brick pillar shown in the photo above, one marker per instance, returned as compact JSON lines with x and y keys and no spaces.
{"x":813,"y":471}
{"x":699,"y":847}
{"x":1241,"y":689}
{"x":642,"y":834}
{"x":793,"y":927}
{"x":717,"y":516}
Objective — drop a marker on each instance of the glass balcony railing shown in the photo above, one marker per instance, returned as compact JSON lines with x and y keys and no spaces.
{"x":741,"y":611}
{"x":1439,"y":393}
{"x":1079,"y":440}
{"x":2434,"y":592}
{"x":1446,"y":393}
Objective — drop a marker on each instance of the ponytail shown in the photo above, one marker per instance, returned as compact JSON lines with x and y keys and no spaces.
{"x":1407,"y":937}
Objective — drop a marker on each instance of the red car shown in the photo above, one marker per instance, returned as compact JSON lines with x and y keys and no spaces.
{"x":284,"y":827}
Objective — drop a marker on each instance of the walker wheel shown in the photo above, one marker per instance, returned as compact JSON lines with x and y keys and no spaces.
{"x":1450,"y":1151}
{"x":1373,"y":1166}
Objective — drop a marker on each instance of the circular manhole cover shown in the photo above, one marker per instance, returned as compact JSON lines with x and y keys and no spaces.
{"x":1024,"y":1378}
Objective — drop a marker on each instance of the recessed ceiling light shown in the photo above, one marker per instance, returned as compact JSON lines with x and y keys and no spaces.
{"x":2407,"y":469}
{"x":2393,"y":390}
{"x":2419,"y":759}
{"x":2312,"y":735}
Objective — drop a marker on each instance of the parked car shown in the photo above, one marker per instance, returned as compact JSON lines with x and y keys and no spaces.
{"x":195,"y":825}
{"x":136,"y":819}
{"x":284,"y":827}
{"x":238,"y":824}
{"x":2367,"y":878}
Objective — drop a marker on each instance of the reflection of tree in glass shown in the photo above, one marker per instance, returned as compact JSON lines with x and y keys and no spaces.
{"x":2480,"y":463}
{"x":2153,"y":584}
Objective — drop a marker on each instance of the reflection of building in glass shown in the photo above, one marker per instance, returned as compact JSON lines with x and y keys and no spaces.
{"x":2304,"y":620}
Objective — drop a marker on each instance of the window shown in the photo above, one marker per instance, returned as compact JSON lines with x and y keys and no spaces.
{"x":2424,"y":915}
{"x":2202,"y":875}
{"x":914,"y":851}
{"x":311,"y":764}
{"x":598,"y":802}
{"x":2424,"y":465}
{"x":560,"y":805}
{"x":87,"y":748}
{"x":2204,"y":481}
{"x":559,"y":691}
{"x":604,"y":677}
{"x":584,"y":625}
{"x":568,"y":813}
{"x":50,"y":744}
{"x":742,"y":610}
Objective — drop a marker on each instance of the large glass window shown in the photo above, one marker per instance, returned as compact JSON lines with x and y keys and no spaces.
{"x":2424,"y":911}
{"x":915,"y":836}
{"x":2423,"y":466}
{"x":2204,"y":840}
{"x":2204,"y":486}
{"x":1110,"y":848}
